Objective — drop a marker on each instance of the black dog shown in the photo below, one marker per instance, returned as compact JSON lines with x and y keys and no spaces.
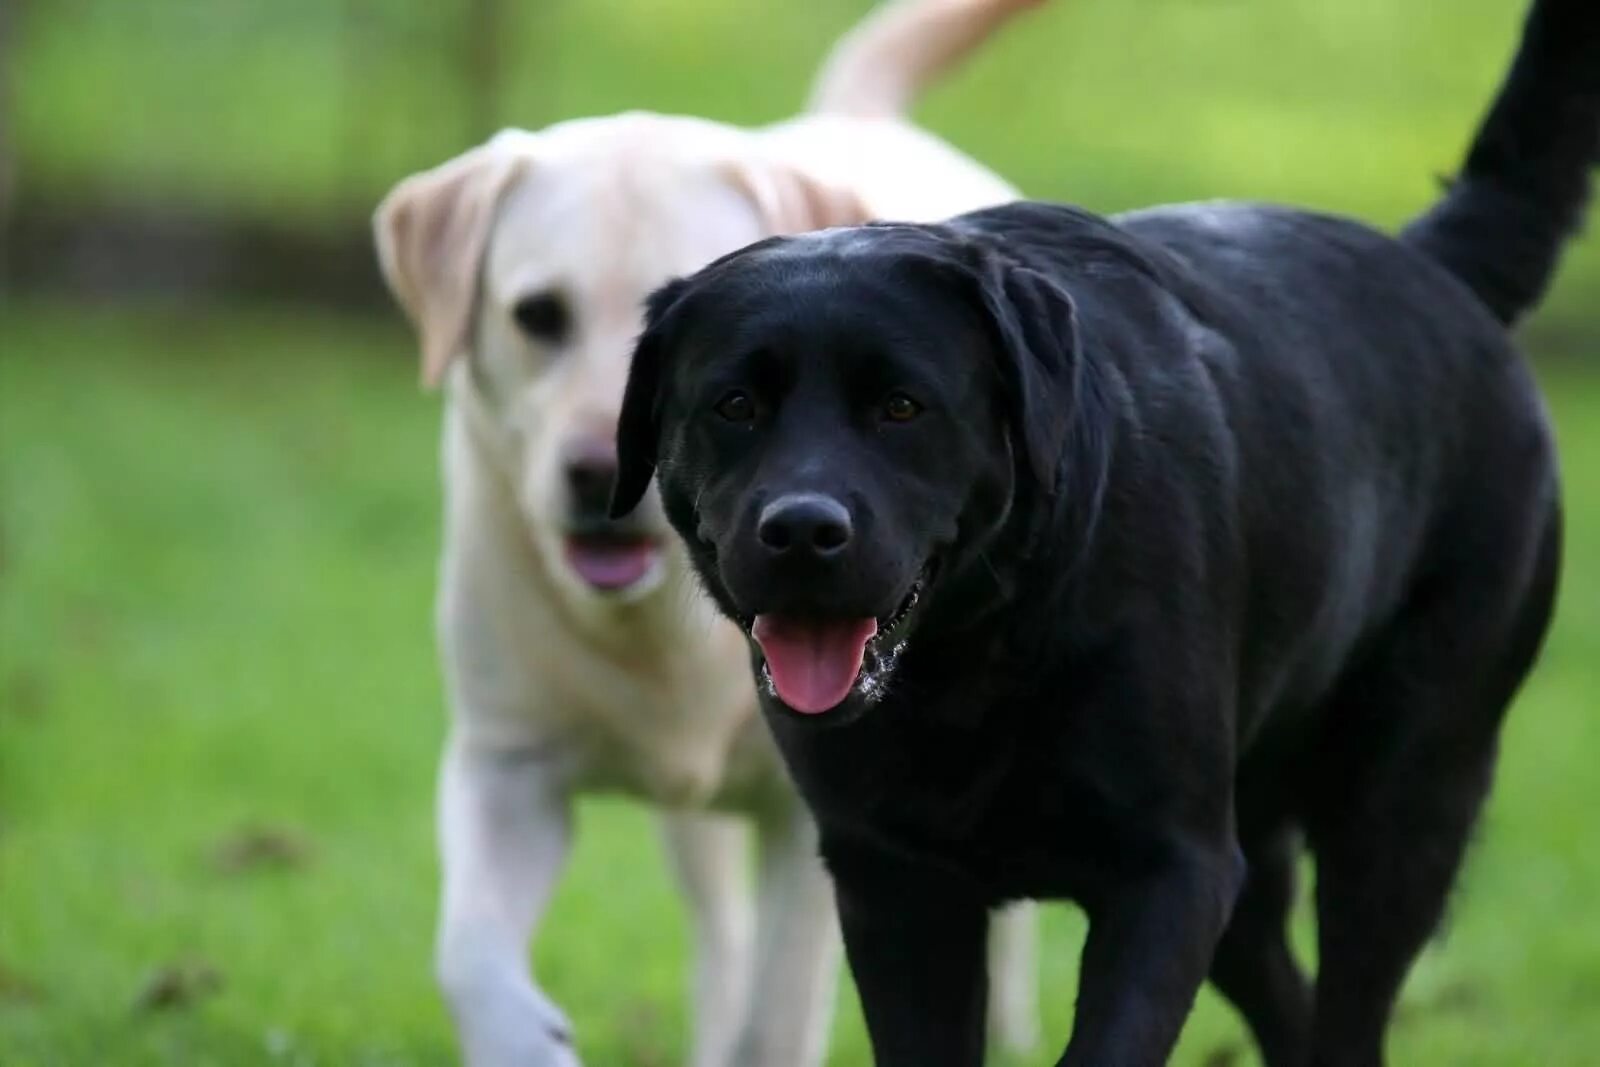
{"x":1102,"y":559}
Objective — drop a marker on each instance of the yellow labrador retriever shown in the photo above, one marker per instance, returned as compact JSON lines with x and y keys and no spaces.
{"x":576,"y":653}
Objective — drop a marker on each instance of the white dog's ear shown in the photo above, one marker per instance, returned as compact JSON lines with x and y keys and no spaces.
{"x":791,"y":200}
{"x":431,"y":231}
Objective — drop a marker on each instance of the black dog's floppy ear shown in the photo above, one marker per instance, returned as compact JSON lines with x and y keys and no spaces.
{"x":639,"y":425}
{"x":1036,"y":325}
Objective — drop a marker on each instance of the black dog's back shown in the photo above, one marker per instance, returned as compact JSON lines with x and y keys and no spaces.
{"x":1356,"y":406}
{"x":1388,"y":353}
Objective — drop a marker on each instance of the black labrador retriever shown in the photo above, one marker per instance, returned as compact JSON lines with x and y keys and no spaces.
{"x":1104,"y":559}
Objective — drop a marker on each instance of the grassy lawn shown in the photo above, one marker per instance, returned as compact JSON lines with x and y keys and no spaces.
{"x":219,"y":715}
{"x":219,"y":711}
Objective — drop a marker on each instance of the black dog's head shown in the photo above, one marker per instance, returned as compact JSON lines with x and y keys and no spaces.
{"x":840,"y":422}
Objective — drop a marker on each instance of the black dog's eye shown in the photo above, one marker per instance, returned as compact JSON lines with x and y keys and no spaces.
{"x":736,"y":406}
{"x":898,"y":407}
{"x":543,"y":316}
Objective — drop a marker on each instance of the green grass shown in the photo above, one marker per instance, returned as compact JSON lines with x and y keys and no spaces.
{"x":299,"y":108}
{"x":217,"y":531}
{"x":218,"y":540}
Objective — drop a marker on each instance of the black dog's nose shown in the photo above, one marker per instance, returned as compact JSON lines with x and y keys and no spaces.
{"x":810,"y":522}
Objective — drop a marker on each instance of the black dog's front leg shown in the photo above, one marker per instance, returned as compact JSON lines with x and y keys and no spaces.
{"x":1150,"y":944}
{"x":916,"y":948}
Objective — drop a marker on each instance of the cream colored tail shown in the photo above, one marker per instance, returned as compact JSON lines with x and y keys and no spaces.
{"x":883,"y":64}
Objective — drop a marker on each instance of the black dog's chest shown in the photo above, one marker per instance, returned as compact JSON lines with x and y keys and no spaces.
{"x":994,"y":811}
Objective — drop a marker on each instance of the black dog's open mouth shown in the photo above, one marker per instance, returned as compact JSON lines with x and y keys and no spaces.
{"x":813,"y":665}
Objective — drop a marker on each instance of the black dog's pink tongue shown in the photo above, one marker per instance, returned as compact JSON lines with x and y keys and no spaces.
{"x":813,"y":664}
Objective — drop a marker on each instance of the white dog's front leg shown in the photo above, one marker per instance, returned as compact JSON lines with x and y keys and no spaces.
{"x":503,"y":832}
{"x":797,"y":949}
{"x":1014,"y":978}
{"x":708,"y":854}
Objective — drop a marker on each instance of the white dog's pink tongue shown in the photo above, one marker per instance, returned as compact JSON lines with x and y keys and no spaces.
{"x":813,"y":664}
{"x":606,"y":565}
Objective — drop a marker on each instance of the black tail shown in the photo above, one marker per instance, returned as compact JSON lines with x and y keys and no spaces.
{"x":1523,"y":189}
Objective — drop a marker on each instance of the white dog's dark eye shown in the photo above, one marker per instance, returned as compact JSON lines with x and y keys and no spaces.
{"x":897,"y":407}
{"x":736,"y":406}
{"x":543,"y":316}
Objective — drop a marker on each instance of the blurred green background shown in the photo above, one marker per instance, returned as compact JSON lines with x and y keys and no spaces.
{"x":219,"y":711}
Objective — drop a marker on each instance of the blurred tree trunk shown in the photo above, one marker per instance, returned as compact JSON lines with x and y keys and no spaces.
{"x":10,"y":22}
{"x":482,"y":57}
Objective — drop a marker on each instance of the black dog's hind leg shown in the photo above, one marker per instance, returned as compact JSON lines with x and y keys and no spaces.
{"x":1408,"y":762}
{"x":1254,"y":967}
{"x":1384,"y":872}
{"x":918,"y":953}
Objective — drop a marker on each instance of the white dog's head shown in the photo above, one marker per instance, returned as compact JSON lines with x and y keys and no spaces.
{"x":524,"y":264}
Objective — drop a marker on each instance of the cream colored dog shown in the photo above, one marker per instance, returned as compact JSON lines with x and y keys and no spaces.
{"x":576,"y":655}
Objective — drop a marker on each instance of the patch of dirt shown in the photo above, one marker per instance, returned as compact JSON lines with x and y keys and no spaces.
{"x":1458,"y":997}
{"x":1453,"y":998}
{"x":261,"y":847}
{"x":17,"y":988}
{"x":641,"y":1020}
{"x":1229,"y":1055}
{"x":26,"y":696}
{"x":178,"y":985}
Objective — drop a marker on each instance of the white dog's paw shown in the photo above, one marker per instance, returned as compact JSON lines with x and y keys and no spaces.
{"x":524,"y":1031}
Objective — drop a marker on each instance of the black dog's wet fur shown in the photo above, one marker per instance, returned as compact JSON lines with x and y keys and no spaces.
{"x":1247,"y":528}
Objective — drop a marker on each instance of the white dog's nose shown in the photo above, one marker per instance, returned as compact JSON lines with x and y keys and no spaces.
{"x":590,"y":467}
